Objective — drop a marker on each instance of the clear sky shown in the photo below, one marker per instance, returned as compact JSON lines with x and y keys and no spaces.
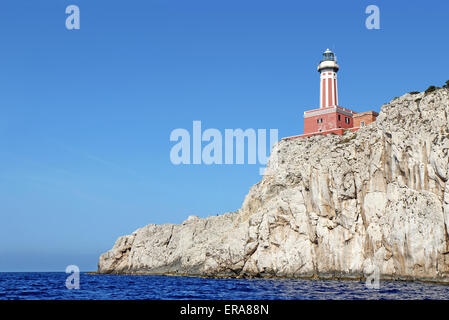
{"x":86,"y":115}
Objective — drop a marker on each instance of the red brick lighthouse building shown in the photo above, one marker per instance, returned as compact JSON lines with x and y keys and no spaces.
{"x":330,"y":117}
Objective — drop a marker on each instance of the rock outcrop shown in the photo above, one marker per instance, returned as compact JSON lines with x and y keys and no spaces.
{"x":328,"y":206}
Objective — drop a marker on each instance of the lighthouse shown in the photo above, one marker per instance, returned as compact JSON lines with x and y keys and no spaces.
{"x":330,"y":117}
{"x":328,"y":69}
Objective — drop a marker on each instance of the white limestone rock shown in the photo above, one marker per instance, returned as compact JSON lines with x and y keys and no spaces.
{"x":329,"y":206}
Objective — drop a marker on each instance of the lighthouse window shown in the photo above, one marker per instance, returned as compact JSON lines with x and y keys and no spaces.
{"x":319,"y":120}
{"x":362,"y":123}
{"x":346,"y":119}
{"x":339,"y":118}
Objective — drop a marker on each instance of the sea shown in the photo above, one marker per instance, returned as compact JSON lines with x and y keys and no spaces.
{"x":52,"y":286}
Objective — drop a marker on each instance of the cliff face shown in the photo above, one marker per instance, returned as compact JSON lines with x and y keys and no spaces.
{"x":330,"y":206}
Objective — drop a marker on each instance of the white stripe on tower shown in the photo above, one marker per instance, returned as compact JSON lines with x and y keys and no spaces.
{"x":333,"y":89}
{"x":326,"y":85}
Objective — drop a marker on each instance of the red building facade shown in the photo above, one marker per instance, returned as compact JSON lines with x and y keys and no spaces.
{"x":364,"y":118}
{"x":331,"y":118}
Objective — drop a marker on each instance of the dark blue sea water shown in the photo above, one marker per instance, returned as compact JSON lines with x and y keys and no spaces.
{"x":51,"y":285}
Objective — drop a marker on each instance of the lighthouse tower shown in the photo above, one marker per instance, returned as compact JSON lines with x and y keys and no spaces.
{"x":328,"y":69}
{"x":330,"y":117}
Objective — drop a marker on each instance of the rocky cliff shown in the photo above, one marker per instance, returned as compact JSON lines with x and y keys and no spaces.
{"x":329,"y":206}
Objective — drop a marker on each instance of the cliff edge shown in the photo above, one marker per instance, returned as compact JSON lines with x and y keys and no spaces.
{"x":329,"y":206}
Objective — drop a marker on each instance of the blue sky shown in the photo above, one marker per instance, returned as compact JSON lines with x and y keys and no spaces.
{"x":86,"y":115}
